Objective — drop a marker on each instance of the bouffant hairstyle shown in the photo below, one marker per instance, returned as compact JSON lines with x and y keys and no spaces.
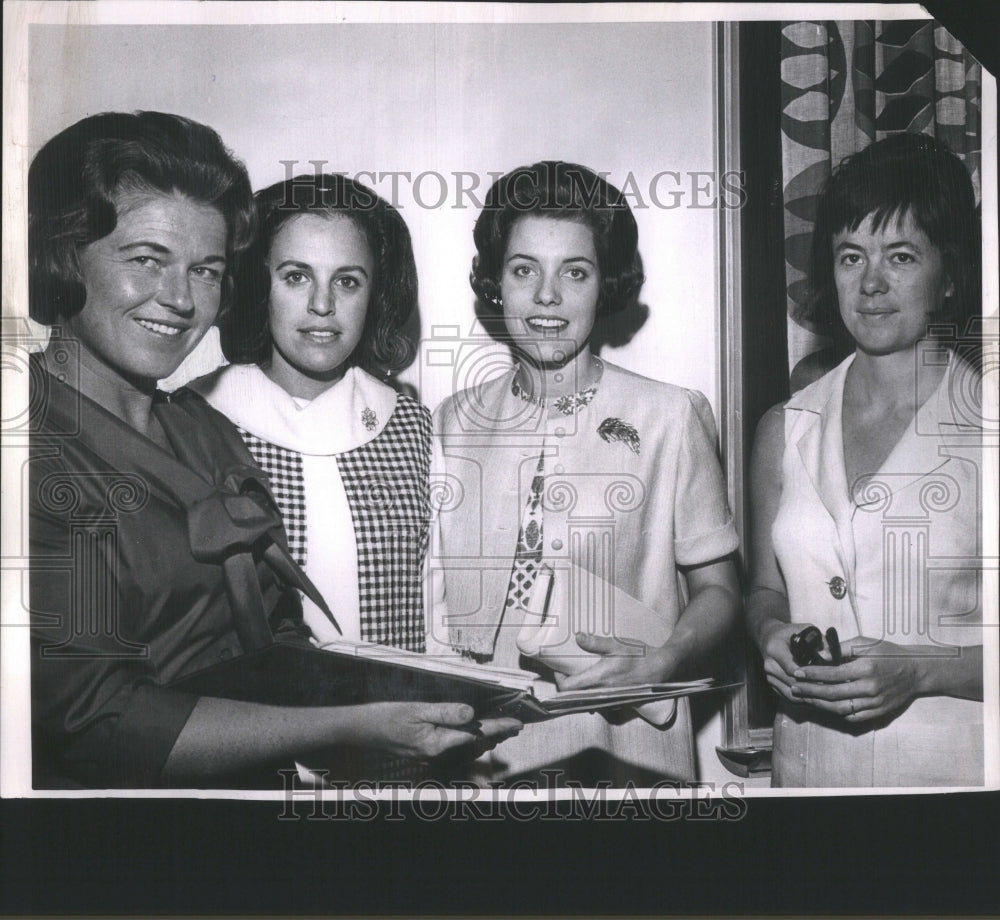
{"x":903,"y":174}
{"x":75,"y":178}
{"x":384,"y":347}
{"x":564,"y":191}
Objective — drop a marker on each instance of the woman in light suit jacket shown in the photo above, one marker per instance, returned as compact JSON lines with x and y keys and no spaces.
{"x":866,"y":490}
{"x":566,"y":464}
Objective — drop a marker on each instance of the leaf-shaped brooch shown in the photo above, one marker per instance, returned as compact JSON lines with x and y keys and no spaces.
{"x":614,"y":429}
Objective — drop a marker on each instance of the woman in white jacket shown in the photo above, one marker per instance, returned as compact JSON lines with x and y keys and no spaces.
{"x":866,"y":489}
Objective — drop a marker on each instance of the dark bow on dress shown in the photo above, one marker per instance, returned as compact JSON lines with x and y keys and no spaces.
{"x":226,"y":525}
{"x":230,"y":513}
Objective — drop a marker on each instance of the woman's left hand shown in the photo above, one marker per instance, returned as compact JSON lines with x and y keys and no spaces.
{"x":621,"y":664}
{"x":711,"y":612}
{"x":882,"y":679}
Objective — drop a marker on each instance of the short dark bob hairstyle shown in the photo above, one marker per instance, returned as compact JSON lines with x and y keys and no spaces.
{"x":384,"y":348}
{"x":564,"y":191}
{"x":902,"y":174}
{"x":75,"y":178}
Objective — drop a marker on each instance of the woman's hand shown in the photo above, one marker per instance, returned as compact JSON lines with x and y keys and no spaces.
{"x":862,"y":688}
{"x":779,"y":665}
{"x":883,"y":679}
{"x":222,"y":735}
{"x":710,"y":614}
{"x":622,"y":664}
{"x":423,"y":731}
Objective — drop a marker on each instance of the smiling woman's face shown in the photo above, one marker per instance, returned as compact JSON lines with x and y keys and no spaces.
{"x":550,"y":286}
{"x":153,"y":285}
{"x":322,"y":271}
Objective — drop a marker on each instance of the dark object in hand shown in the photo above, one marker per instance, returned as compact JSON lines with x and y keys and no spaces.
{"x":807,"y":645}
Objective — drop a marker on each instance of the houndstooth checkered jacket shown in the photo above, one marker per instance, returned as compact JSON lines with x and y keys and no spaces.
{"x":386,"y":481}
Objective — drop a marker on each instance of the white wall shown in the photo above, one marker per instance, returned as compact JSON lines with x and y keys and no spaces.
{"x":622,"y":98}
{"x":619,"y":98}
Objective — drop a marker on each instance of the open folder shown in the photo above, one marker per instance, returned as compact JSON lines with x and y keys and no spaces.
{"x":346,"y":673}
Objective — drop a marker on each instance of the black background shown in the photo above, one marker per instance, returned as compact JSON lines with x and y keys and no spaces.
{"x":878,"y":855}
{"x":916,"y":855}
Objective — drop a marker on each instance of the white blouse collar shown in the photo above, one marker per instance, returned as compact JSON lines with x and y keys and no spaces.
{"x":351,"y":413}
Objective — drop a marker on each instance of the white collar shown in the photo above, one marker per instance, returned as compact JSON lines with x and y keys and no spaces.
{"x":827,"y":393}
{"x":816,"y":396}
{"x":351,"y":413}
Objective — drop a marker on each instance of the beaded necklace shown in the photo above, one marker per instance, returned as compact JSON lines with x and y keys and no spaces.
{"x":568,"y":404}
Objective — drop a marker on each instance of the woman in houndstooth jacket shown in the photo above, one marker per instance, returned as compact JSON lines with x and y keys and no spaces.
{"x":328,"y":285}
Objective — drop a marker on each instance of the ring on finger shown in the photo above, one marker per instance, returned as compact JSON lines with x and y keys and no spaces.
{"x":851,"y":701}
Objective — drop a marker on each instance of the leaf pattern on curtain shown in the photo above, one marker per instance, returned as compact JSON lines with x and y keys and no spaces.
{"x":845,"y":84}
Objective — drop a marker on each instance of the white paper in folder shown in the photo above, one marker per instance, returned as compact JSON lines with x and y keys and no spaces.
{"x":568,"y":600}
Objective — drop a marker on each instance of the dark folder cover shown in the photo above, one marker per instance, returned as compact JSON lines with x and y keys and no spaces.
{"x":291,"y":675}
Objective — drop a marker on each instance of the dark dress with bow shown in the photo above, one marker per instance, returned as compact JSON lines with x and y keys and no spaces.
{"x":145,"y":567}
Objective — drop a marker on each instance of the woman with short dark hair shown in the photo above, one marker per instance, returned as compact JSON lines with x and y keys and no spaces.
{"x":902,"y":173}
{"x":384,"y":348}
{"x":328,"y":285}
{"x":73,"y":186}
{"x":156,"y":546}
{"x":570,"y":472}
{"x":866,"y":490}
{"x":572,"y":192}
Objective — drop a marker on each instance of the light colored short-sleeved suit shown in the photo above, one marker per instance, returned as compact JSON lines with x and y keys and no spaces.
{"x":636,"y":507}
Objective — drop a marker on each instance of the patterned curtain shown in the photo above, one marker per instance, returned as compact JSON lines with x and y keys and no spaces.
{"x":845,"y":84}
